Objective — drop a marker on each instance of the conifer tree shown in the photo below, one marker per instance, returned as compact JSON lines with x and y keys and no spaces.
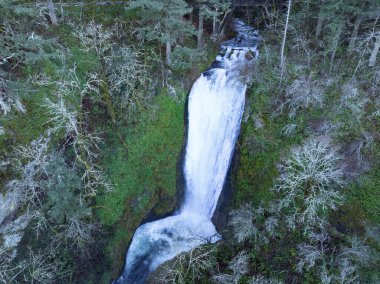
{"x":162,"y":21}
{"x":218,"y":9}
{"x":211,"y":9}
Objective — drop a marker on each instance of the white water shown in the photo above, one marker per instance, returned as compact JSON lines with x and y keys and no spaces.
{"x":215,"y":108}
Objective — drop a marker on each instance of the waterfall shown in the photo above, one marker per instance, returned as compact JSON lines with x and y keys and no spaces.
{"x":216,"y":103}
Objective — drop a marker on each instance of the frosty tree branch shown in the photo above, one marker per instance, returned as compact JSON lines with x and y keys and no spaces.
{"x":309,"y":183}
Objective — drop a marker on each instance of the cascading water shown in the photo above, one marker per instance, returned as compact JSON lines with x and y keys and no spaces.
{"x":215,"y":108}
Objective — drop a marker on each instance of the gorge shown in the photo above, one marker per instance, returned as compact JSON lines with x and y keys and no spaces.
{"x":215,"y":108}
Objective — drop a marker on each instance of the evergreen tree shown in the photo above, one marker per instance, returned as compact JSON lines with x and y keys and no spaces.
{"x":162,"y":21}
{"x":62,"y":202}
{"x":216,"y":10}
{"x":19,"y":46}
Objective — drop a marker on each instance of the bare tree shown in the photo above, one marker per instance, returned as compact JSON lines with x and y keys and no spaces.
{"x":309,"y":183}
{"x":353,"y":100}
{"x":191,"y":265}
{"x":85,"y":145}
{"x":259,"y":279}
{"x":375,"y":50}
{"x":242,"y":222}
{"x":282,"y":59}
{"x":239,"y":266}
{"x":77,"y":234}
{"x":95,"y":37}
{"x":333,"y":264}
{"x":355,"y":31}
{"x":212,"y":9}
{"x":316,"y":254}
{"x":310,"y":253}
{"x":226,"y":278}
{"x":43,"y":267}
{"x":219,"y":8}
{"x":8,"y":102}
{"x":270,"y":15}
{"x":289,"y":129}
{"x":350,"y":259}
{"x":30,"y":161}
{"x":66,"y":116}
{"x":357,"y":251}
{"x":271,"y":226}
{"x":52,"y":15}
{"x":363,"y":47}
{"x":319,"y":27}
{"x":256,"y":225}
{"x":129,"y":81}
{"x":302,"y":46}
{"x":7,"y":271}
{"x":240,"y":263}
{"x":335,"y":42}
{"x":304,"y":92}
{"x":39,"y":221}
{"x":62,"y":117}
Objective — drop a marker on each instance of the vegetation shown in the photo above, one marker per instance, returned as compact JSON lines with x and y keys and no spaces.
{"x":92,"y":102}
{"x":308,"y":151}
{"x":91,"y":130}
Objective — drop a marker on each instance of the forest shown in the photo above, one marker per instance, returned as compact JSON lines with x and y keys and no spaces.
{"x":93,"y":101}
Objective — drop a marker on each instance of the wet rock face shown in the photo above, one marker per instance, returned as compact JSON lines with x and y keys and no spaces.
{"x":11,"y":226}
{"x":9,"y":203}
{"x":220,"y":217}
{"x":12,"y":233}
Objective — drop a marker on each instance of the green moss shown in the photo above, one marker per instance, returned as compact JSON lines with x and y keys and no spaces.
{"x":365,"y":193}
{"x":26,"y":127}
{"x":262,"y":148}
{"x":143,"y":167}
{"x":141,"y":164}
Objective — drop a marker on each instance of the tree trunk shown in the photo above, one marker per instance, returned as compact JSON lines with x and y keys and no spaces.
{"x":282,"y":61}
{"x":264,"y":18}
{"x":319,"y":25}
{"x":162,"y":66}
{"x":222,"y":23}
{"x":375,"y":51}
{"x":62,"y":15}
{"x":168,"y":52}
{"x":200,"y":30}
{"x":335,"y":44}
{"x":355,"y":32}
{"x":214,"y":25}
{"x":52,"y":15}
{"x":181,"y":36}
